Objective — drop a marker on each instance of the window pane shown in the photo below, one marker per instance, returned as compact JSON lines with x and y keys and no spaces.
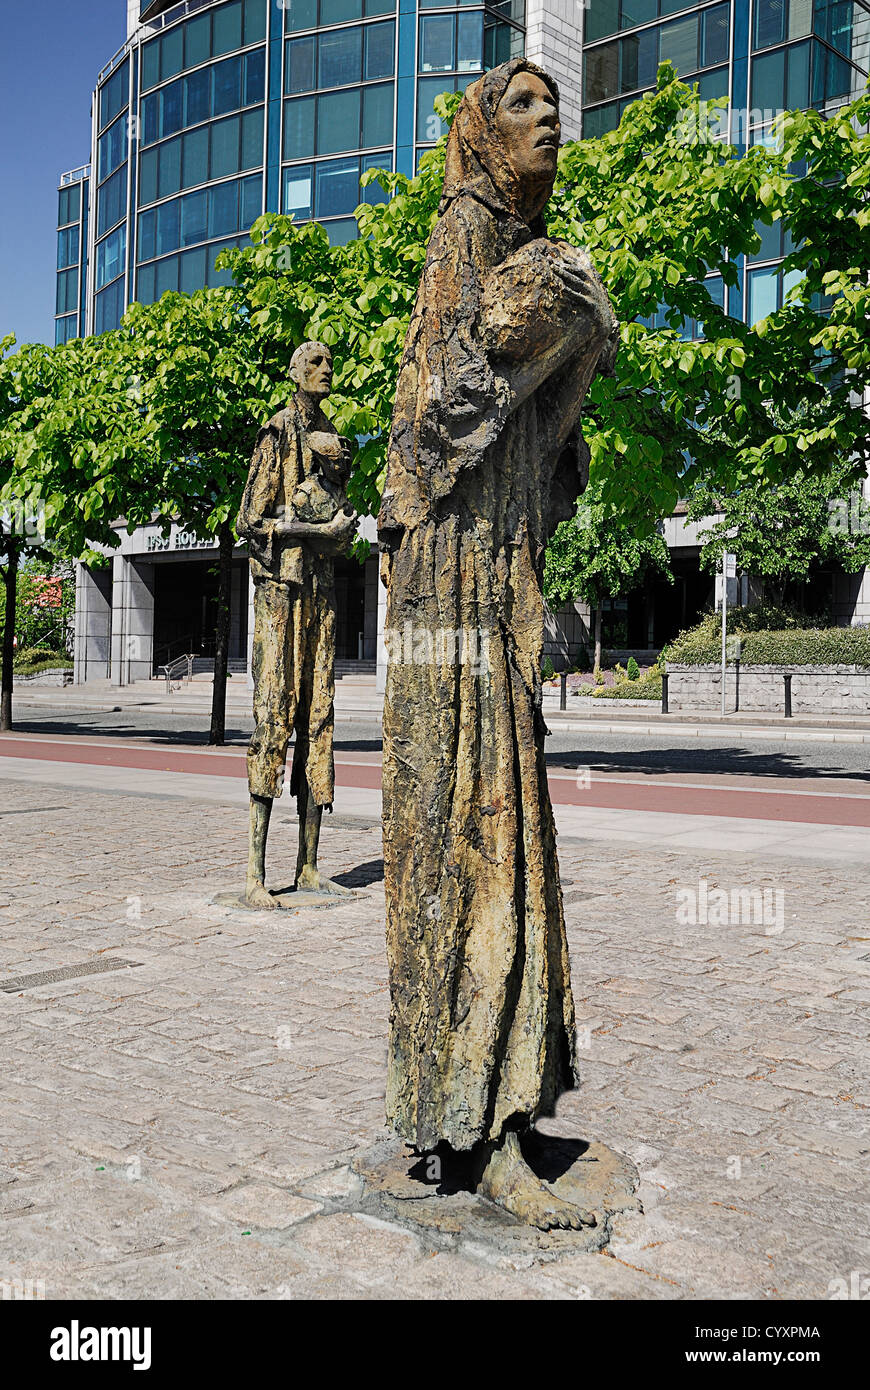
{"x":150,"y":64}
{"x":168,"y":226}
{"x":166,"y":276}
{"x":679,"y":43}
{"x":338,"y":122}
{"x":380,"y":49}
{"x":797,"y":90}
{"x":337,"y":187}
{"x":769,"y":22}
{"x":377,"y":115}
{"x":800,"y":19}
{"x":227,"y":28}
{"x":216,"y":277}
{"x":114,"y":94}
{"x":66,"y":297}
{"x":373,"y":7}
{"x":600,"y":120}
{"x":145,"y":285}
{"x":194,"y":218}
{"x":252,"y":202}
{"x":227,"y":86}
{"x":639,"y":59}
{"x":374,"y":193}
{"x":223,"y":215}
{"x":148,"y":176}
{"x":252,"y":139}
{"x":195,"y":166}
{"x":171,"y":108}
{"x":147,"y":248}
{"x":151,"y":118}
{"x":762,"y":294}
{"x":713,"y":84}
{"x":299,"y":73}
{"x":110,"y":256}
{"x":255,"y":77}
{"x":197,"y":41}
{"x":255,"y":21}
{"x":225,"y":148}
{"x":198,"y":86}
{"x":169,"y":175}
{"x":437,"y":43}
{"x":300,"y":14}
{"x":341,"y":232}
{"x":430,"y":126}
{"x":637,"y":12}
{"x":715,"y":36}
{"x":67,"y":247}
{"x":339,"y":11}
{"x":469,"y":42}
{"x":771,"y":242}
{"x":64,"y":329}
{"x":501,"y":42}
{"x":172,"y":52}
{"x":603,"y":19}
{"x":298,"y":127}
{"x":768,"y":80}
{"x":109,"y":306}
{"x":601,"y":73}
{"x":298,"y":184}
{"x":193,"y":270}
{"x":339,"y":57}
{"x":112,"y":200}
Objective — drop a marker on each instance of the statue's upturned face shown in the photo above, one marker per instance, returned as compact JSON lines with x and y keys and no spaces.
{"x":527,"y":120}
{"x":313,"y":371}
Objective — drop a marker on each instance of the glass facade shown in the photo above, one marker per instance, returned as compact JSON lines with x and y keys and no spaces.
{"x":213,"y":113}
{"x":767,"y":56}
{"x":72,"y":240}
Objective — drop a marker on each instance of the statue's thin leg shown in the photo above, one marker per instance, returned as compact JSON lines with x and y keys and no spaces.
{"x":504,"y":1176}
{"x":255,"y":889}
{"x":309,"y":879}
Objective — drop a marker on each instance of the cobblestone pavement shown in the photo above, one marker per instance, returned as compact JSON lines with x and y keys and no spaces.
{"x":182,"y":1129}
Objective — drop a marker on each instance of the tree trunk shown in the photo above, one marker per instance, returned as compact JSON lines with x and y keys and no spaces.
{"x":597,"y":664}
{"x":10,"y":579}
{"x":222,"y":635}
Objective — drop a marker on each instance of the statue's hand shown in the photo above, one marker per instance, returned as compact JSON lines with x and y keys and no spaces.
{"x":328,"y":445}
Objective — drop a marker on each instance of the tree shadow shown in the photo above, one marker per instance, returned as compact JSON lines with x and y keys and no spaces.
{"x":702,"y":761}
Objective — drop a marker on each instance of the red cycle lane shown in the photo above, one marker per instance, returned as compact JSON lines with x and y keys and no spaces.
{"x":608,"y":793}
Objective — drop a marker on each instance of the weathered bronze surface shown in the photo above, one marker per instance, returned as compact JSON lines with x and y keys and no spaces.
{"x":485,"y":458}
{"x":296,"y":519}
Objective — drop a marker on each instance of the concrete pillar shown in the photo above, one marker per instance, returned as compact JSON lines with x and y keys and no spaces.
{"x":132,"y":620}
{"x":93,"y":624}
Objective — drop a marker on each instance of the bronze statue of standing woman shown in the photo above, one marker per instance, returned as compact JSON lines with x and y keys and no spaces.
{"x":485,"y":458}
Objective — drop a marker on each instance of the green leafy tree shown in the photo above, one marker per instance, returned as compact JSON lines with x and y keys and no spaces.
{"x":73,"y":456}
{"x":781,"y":533}
{"x":205,"y":382}
{"x":598,"y":555}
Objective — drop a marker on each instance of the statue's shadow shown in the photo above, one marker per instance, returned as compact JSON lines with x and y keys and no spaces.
{"x":449,"y":1172}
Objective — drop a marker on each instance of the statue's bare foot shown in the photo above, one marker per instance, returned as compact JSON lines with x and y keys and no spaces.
{"x":311,"y":880}
{"x":257,"y":895}
{"x":509,"y":1181}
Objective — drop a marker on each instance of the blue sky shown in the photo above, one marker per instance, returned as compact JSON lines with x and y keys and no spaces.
{"x":50,"y":54}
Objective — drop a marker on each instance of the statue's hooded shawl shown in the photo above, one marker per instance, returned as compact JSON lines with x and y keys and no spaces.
{"x":485,"y":457}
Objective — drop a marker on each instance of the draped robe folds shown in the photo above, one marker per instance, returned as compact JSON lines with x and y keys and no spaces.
{"x":485,"y":459}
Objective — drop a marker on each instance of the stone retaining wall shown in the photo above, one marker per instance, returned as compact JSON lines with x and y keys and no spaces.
{"x":55,"y":675}
{"x":814,"y":689}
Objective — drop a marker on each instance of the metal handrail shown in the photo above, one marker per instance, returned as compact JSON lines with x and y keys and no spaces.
{"x":174,"y":668}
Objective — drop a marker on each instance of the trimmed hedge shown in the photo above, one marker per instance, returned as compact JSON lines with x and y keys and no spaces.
{"x":54,"y":663}
{"x":816,"y":646}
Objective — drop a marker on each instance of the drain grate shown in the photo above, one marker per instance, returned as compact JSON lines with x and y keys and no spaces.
{"x":65,"y":972}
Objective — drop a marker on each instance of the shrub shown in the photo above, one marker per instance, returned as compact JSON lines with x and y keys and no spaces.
{"x":29,"y":656}
{"x":759,"y":646}
{"x":632,"y":670}
{"x":548,"y":670}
